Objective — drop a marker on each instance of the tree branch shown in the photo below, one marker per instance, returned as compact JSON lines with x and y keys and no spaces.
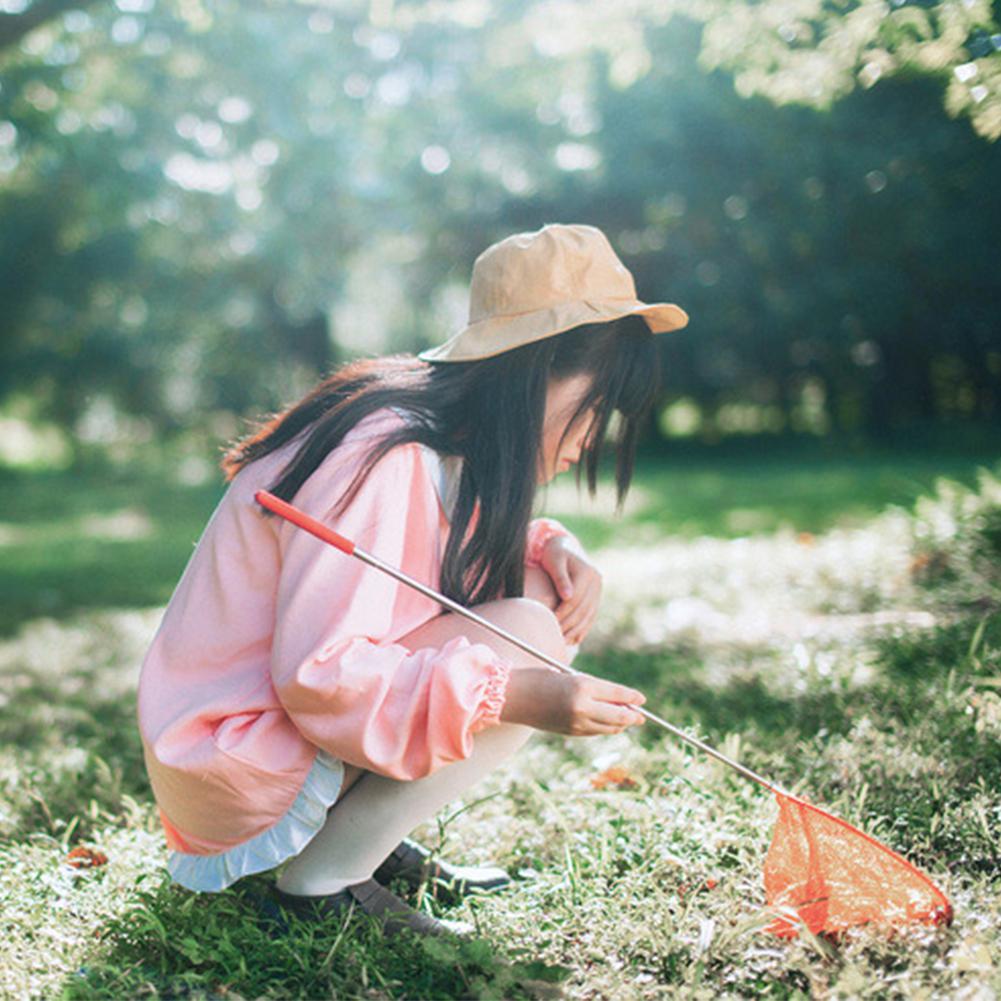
{"x":13,"y":27}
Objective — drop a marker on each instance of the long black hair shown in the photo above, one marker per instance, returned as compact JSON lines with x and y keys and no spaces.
{"x":490,"y":413}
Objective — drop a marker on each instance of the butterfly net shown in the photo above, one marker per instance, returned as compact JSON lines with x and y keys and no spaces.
{"x":830,"y":876}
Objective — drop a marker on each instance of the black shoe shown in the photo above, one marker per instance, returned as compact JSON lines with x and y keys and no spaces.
{"x":372,"y":899}
{"x":413,"y":864}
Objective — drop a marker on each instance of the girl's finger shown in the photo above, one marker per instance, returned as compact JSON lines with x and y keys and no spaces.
{"x":566,"y":608}
{"x":610,"y":691}
{"x":590,"y":614}
{"x":577,"y":616}
{"x":572,"y":619}
{"x":601,"y":730}
{"x":562,"y":582}
{"x":609,"y":714}
{"x":597,"y":726}
{"x":576,"y":635}
{"x":581,"y":631}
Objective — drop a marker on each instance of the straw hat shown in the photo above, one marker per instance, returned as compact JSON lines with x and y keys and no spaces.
{"x":534,"y":285}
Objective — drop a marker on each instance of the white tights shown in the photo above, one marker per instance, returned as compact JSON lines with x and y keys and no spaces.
{"x":376,"y":813}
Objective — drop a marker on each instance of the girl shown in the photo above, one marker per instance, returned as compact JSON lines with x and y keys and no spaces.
{"x":300,"y":709}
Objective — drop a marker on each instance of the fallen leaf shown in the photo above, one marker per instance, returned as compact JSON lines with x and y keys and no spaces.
{"x":82,"y":857}
{"x":929,"y":566}
{"x":614,"y":776}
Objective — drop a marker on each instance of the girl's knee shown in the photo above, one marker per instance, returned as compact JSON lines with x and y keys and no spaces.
{"x":525,"y":618}
{"x":531,"y":621}
{"x":539,"y":585}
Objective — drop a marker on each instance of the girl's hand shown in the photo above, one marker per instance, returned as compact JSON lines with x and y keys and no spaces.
{"x":578,"y":584}
{"x":579,"y":705}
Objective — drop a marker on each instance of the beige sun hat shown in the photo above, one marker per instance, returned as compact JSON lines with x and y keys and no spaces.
{"x":533,"y":285}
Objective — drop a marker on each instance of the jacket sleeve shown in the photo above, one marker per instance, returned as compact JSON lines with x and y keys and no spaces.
{"x":346,"y":686}
{"x":540,"y":531}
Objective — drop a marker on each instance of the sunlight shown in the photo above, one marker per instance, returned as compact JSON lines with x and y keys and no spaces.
{"x":125,"y":525}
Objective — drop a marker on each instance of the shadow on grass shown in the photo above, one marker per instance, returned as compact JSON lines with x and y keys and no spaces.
{"x":77,"y":753}
{"x":911,"y":745}
{"x":962,"y":646}
{"x":673,"y":682}
{"x":173,"y":943}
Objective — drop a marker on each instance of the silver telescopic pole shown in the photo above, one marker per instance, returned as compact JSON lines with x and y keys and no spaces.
{"x":322,"y":532}
{"x":454,"y":606}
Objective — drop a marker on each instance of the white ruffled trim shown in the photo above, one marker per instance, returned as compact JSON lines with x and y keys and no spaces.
{"x":288,"y":837}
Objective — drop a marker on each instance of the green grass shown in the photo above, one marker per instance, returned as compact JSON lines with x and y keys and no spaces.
{"x":109,"y":536}
{"x":800,"y":488}
{"x":817,"y":661}
{"x":95,"y":538}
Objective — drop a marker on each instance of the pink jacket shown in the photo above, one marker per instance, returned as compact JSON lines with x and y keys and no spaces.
{"x":274,"y":645}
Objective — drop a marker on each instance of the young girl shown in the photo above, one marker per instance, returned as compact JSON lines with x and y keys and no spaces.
{"x":300,"y":708}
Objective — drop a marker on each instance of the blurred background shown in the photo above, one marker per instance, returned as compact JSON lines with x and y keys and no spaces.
{"x":205,"y":206}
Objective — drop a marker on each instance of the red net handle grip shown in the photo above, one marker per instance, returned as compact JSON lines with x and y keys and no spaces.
{"x":277,"y":506}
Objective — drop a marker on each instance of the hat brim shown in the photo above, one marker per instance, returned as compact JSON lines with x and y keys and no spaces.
{"x":498,"y":334}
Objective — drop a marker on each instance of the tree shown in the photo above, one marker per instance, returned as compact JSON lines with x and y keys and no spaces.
{"x":205,"y":207}
{"x":14,"y":26}
{"x":815,"y":52}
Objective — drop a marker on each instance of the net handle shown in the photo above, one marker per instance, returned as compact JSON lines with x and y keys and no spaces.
{"x":316,"y":528}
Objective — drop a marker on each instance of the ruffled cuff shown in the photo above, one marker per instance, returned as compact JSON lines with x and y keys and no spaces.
{"x":540,"y":532}
{"x":494,"y":694}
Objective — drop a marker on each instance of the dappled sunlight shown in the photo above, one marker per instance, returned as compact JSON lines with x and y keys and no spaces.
{"x":125,"y":524}
{"x":638,"y":860}
{"x":99,"y":652}
{"x":23,"y":443}
{"x":38,"y":912}
{"x":759,"y":590}
{"x":564,"y":498}
{"x":128,"y":523}
{"x":70,"y":765}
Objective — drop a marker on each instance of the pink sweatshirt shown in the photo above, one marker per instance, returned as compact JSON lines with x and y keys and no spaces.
{"x":275,"y":644}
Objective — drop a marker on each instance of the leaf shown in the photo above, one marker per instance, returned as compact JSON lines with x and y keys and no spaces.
{"x":538,"y":970}
{"x":440,"y":951}
{"x":192,"y":950}
{"x":614,"y":776}
{"x":83,"y":857}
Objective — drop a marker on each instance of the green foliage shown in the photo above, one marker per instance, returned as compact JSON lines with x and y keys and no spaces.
{"x":957,"y":534}
{"x":171,"y":942}
{"x":205,"y":208}
{"x":816,"y":53}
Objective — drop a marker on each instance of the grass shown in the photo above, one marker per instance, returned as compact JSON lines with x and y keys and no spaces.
{"x":803,"y":486}
{"x":809,"y":651}
{"x":100,"y":537}
{"x":110,"y":536}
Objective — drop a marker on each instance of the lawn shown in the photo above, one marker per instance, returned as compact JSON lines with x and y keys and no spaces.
{"x":775,"y":606}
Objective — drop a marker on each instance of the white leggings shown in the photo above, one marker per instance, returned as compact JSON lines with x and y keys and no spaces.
{"x":376,"y":813}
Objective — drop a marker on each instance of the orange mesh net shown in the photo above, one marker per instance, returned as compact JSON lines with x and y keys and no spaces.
{"x":832,"y":876}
